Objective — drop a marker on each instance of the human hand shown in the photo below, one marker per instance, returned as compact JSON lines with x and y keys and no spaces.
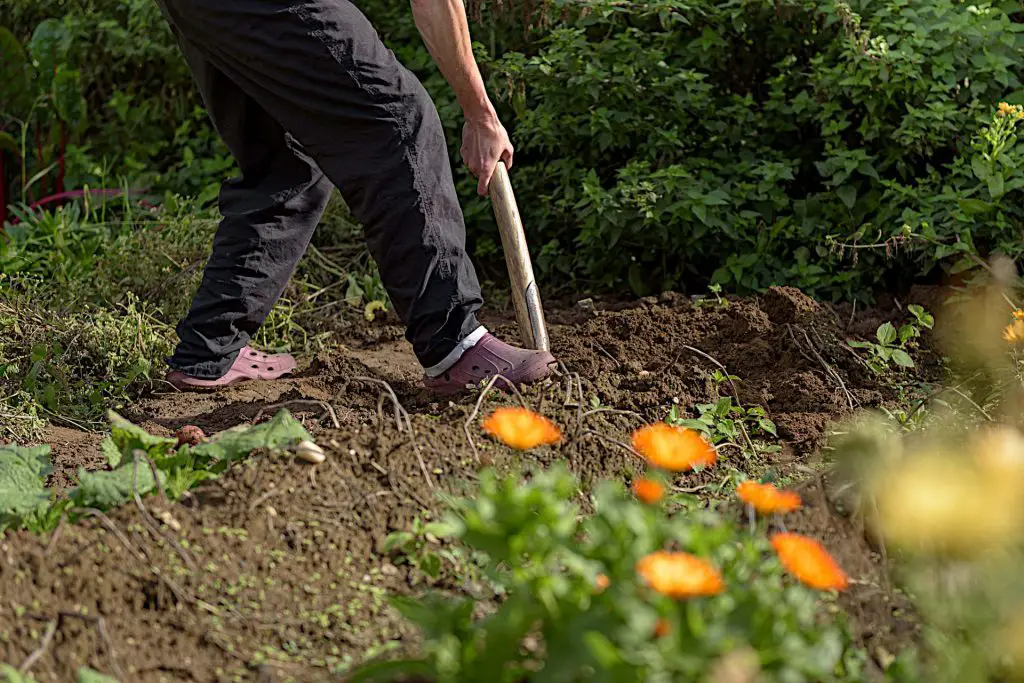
{"x":485,"y":142}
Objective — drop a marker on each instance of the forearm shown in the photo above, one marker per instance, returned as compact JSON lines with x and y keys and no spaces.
{"x":445,"y":30}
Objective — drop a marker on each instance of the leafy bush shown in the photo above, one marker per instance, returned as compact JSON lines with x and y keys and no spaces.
{"x":834,"y":146}
{"x":576,"y":609}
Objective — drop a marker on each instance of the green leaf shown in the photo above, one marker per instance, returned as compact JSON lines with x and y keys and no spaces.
{"x":430,"y":564}
{"x":106,"y":490}
{"x":980,"y":168}
{"x":67,"y":96}
{"x":907,"y":332}
{"x":279,"y":432}
{"x":902,"y":358}
{"x":49,"y":47}
{"x":112,"y":453}
{"x":995,"y":185}
{"x":87,"y":675}
{"x":8,"y":674}
{"x":129,"y":437}
{"x":396,"y":540}
{"x":603,"y":650}
{"x":848,"y":195}
{"x":695,"y":425}
{"x":768,"y":426}
{"x":16,"y":92}
{"x":23,"y":472}
{"x":386,"y":672}
{"x":886,"y":334}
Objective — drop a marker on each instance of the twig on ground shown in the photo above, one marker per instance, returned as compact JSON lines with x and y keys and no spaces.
{"x":829,"y":370}
{"x":400,"y":412}
{"x":961,"y":394}
{"x":620,"y":444}
{"x":615,"y":411}
{"x":605,"y":353}
{"x":476,"y":411}
{"x":51,"y":629}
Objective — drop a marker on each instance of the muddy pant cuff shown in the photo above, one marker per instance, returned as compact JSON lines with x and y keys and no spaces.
{"x":468,"y":342}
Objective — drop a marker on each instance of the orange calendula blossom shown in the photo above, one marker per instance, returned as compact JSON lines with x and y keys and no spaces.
{"x":808,"y":561}
{"x":521,"y":429}
{"x":1014,"y":332}
{"x":673,"y":448}
{"x":601,"y":583}
{"x":648,"y":490}
{"x":1018,"y":314}
{"x":679,"y":575}
{"x":767,"y":499}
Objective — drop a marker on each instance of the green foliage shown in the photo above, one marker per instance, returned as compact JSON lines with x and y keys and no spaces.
{"x":140,"y":464}
{"x":890,"y":346}
{"x":23,"y":472}
{"x":832,"y":146}
{"x":554,"y":626}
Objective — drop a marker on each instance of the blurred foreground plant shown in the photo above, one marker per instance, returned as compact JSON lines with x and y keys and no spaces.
{"x":944,"y":500}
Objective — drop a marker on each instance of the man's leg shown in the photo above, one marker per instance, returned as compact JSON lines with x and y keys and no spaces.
{"x":269,"y":215}
{"x":320,"y":69}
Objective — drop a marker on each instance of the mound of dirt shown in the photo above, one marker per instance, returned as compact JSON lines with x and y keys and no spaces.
{"x":276,"y":568}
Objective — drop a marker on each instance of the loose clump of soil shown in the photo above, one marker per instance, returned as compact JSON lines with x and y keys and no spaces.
{"x":277,"y":566}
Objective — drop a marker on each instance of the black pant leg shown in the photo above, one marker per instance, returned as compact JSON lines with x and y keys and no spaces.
{"x":319,"y":68}
{"x":269,"y":215}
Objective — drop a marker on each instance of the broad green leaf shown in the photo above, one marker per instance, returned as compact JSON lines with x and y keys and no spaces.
{"x":67,"y":96}
{"x":111,"y":452}
{"x":886,"y":334}
{"x":23,"y":474}
{"x":907,"y":332}
{"x":901,"y":358}
{"x":396,"y":540}
{"x":128,"y":437}
{"x":995,"y":185}
{"x":15,"y":87}
{"x":281,"y":431}
{"x":430,"y":564}
{"x":49,"y":48}
{"x":980,"y":168}
{"x":848,"y":195}
{"x":106,"y":490}
{"x":768,"y":426}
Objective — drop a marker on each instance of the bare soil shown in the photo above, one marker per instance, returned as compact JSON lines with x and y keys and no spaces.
{"x":275,"y":570}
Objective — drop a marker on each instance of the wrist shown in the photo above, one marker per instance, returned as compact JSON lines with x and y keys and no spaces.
{"x":480,"y":111}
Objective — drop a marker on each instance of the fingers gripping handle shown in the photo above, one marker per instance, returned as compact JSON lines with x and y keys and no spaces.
{"x":525,"y":293}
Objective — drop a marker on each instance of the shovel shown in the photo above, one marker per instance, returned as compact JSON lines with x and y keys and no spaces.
{"x":525,"y":294}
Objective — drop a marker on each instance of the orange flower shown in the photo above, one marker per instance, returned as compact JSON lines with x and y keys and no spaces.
{"x":767,"y":499}
{"x":809,"y":562}
{"x":1014,"y":332}
{"x":679,"y":575}
{"x":662,"y":628}
{"x":673,"y":448}
{"x":648,"y":490}
{"x":521,"y":428}
{"x":601,"y":583}
{"x":1018,"y":314}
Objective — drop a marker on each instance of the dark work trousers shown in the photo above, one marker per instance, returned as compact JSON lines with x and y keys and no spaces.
{"x":307,"y":97}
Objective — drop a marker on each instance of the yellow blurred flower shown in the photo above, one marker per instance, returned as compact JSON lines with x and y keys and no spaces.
{"x":1000,"y":450}
{"x":935,"y":503}
{"x":1004,"y":109}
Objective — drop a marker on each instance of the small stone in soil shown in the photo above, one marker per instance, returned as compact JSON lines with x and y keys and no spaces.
{"x":190,"y":435}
